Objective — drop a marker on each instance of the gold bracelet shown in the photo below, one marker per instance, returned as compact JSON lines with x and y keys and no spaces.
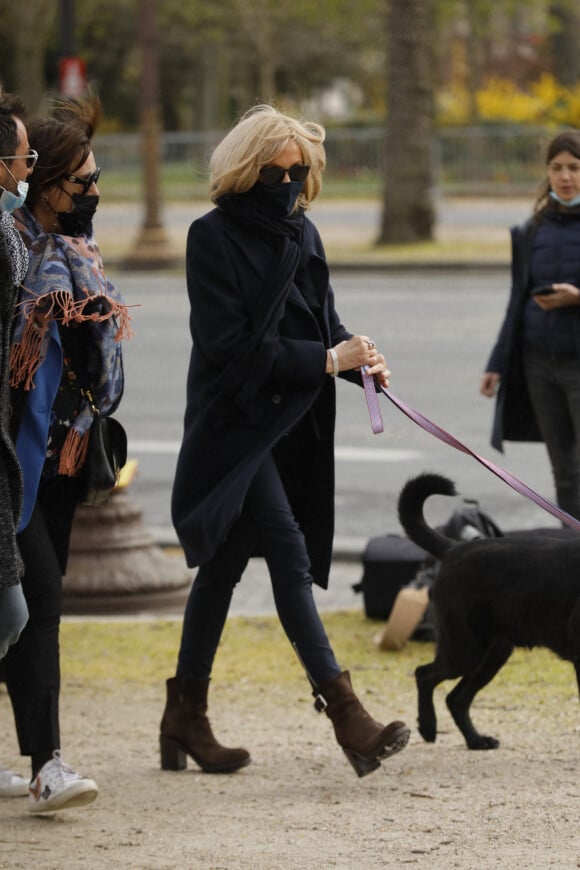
{"x":335,"y":365}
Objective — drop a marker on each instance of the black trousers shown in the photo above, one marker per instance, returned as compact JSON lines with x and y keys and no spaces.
{"x":267,"y":525}
{"x":32,"y":666}
{"x":554,"y":386}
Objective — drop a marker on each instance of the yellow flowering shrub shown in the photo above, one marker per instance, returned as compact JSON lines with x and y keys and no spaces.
{"x":501,"y":101}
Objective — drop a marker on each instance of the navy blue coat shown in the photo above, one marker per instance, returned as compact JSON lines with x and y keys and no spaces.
{"x":514,"y":418}
{"x":241,"y":406}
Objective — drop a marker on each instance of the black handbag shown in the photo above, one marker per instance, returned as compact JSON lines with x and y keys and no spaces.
{"x":106,"y":456}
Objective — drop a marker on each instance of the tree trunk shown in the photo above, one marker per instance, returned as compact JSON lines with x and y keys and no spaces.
{"x":408,"y":214}
{"x":256,"y":19}
{"x":30,"y":38}
{"x":564,"y":42}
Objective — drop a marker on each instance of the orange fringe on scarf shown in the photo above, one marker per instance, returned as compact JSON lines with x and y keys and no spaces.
{"x":74,"y":453}
{"x":26,"y":356}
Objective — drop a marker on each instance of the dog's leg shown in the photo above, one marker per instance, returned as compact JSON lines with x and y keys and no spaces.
{"x":427,"y":678}
{"x":459,"y":700}
{"x":574,"y":635}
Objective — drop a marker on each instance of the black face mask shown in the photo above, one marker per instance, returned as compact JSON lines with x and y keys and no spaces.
{"x":278,"y":200}
{"x":78,"y":222}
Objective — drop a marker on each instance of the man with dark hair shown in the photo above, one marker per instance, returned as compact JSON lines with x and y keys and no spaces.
{"x":16,"y":164}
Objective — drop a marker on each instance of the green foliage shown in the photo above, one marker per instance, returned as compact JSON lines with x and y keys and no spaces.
{"x":216,"y":59}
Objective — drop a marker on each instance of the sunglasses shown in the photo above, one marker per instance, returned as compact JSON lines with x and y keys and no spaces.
{"x":30,"y":158}
{"x":269,"y":175}
{"x":86,"y":182}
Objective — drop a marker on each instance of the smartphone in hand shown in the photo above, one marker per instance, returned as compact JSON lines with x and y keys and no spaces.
{"x":543,"y":290}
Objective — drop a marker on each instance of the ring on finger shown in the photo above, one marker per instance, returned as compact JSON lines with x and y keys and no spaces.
{"x":370,"y":344}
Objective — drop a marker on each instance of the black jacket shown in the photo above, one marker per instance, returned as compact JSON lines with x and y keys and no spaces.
{"x":514,"y":418}
{"x":257,"y":382}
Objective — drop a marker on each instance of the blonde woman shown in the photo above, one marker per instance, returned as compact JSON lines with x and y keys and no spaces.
{"x":255,"y":473}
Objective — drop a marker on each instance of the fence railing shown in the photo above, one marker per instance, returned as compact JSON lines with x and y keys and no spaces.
{"x":466,"y":160}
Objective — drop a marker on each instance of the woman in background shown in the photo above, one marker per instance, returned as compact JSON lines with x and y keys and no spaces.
{"x":534,"y":366}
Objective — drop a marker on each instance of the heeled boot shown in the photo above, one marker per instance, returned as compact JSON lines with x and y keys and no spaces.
{"x":364,"y":741}
{"x":185,"y":730}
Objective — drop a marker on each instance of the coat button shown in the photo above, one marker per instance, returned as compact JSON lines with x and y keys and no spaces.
{"x":276,"y":399}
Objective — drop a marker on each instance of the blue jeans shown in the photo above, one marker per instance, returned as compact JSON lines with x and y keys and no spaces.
{"x":267,"y":525}
{"x":553,"y":383}
{"x":13,"y":616}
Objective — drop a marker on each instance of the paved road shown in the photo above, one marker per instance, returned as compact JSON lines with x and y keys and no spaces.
{"x":436,"y":330}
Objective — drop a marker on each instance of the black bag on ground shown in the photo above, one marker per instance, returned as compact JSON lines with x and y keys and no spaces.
{"x":469,"y":522}
{"x":392,"y":561}
{"x":389,"y":563}
{"x":465,"y":524}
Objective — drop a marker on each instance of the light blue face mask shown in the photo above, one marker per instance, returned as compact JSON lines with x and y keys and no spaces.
{"x":569,"y":203}
{"x":11,"y":201}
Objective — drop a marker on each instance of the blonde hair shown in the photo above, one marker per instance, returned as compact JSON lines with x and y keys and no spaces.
{"x":261,"y":134}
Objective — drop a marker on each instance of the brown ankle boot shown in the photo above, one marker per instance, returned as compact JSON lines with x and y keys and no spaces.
{"x":185,"y":730}
{"x":364,"y":741}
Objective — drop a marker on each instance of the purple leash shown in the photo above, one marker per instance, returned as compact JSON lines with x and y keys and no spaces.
{"x":372,"y":401}
{"x":447,"y":438}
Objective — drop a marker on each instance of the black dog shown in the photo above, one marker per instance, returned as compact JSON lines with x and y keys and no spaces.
{"x":491,"y":595}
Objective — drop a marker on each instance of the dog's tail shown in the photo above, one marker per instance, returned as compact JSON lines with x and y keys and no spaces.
{"x":411,"y":501}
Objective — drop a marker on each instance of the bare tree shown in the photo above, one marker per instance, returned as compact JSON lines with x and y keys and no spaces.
{"x":408,"y":214}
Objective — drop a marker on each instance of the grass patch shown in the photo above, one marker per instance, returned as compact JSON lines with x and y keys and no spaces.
{"x":451,"y":251}
{"x":255,"y":651}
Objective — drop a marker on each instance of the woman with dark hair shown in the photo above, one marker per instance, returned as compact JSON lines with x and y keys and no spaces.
{"x":534,"y":366}
{"x":66,"y":358}
{"x":255,"y":472}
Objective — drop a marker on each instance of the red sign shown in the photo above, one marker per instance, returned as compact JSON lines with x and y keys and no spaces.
{"x":72,"y":76}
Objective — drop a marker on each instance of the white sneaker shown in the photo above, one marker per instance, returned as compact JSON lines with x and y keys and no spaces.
{"x":12,"y":784}
{"x":57,"y":787}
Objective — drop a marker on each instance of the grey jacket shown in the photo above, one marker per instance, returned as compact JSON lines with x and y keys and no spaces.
{"x":10,"y":475}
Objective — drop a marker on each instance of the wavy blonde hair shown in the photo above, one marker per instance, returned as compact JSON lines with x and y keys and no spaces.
{"x":261,"y":134}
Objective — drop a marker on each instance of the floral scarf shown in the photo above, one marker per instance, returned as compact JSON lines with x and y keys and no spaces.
{"x":66,"y":284}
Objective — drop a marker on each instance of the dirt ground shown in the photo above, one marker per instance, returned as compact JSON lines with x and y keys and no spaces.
{"x":299,"y":804}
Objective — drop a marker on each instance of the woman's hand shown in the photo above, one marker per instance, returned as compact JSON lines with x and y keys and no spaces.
{"x":360,"y":350}
{"x":564,"y":296}
{"x":489,"y":384}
